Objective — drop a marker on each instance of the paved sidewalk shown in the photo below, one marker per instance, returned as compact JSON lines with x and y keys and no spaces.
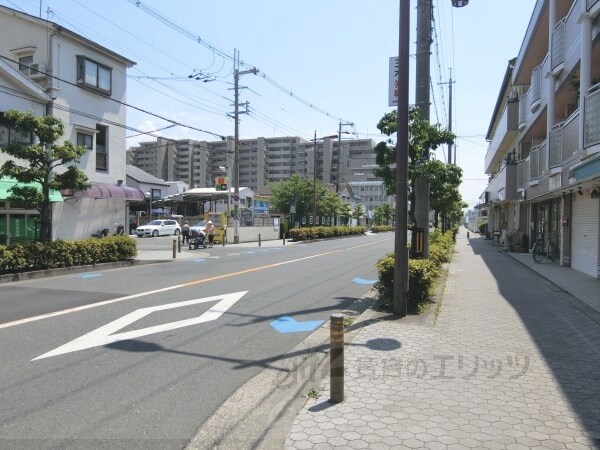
{"x":513,"y":362}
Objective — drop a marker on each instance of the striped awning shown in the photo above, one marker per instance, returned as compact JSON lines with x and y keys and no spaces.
{"x":99,"y":190}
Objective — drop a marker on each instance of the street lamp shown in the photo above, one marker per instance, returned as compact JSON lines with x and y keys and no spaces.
{"x":315,"y":174}
{"x":460,"y":3}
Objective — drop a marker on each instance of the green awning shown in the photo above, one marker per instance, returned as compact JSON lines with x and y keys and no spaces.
{"x":7,"y":183}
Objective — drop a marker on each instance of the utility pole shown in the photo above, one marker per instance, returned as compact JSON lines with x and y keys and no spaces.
{"x":337,"y":173}
{"x":422,"y":83}
{"x":236,"y":144}
{"x":449,"y":83}
{"x":400,"y":290}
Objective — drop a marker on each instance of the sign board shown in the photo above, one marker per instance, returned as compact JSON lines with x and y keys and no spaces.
{"x":221,"y":183}
{"x":393,"y":82}
{"x":236,"y":199}
{"x":260,"y":207}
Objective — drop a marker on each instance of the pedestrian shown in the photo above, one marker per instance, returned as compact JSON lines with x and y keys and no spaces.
{"x":210,"y":232}
{"x":185,"y":232}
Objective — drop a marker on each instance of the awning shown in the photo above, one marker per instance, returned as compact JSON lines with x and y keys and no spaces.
{"x":98,"y":190}
{"x":7,"y":183}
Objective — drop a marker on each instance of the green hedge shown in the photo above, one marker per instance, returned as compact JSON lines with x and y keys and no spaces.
{"x":381,"y":228}
{"x":307,"y":234}
{"x":422,"y":273}
{"x":57,"y":254}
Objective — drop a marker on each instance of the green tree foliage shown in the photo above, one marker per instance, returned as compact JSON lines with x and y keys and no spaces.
{"x":330,"y":205}
{"x":36,"y":163}
{"x":423,"y":139}
{"x":383,"y":214}
{"x":359,"y":211}
{"x":299,"y":190}
{"x":444,"y":180}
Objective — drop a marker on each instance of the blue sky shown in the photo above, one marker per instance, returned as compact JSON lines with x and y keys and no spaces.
{"x":320,"y":61}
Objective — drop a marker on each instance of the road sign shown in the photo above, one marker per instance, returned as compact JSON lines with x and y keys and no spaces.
{"x":107,"y":333}
{"x":236,"y":199}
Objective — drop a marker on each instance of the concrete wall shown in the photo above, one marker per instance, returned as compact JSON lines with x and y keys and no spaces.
{"x":250,"y":234}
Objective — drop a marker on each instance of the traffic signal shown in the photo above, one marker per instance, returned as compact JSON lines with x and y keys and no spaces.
{"x":221,"y":183}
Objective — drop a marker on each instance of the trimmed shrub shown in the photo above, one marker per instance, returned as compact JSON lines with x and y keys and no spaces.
{"x":310,"y":233}
{"x":422,"y":273}
{"x":59,"y":253}
{"x":380,"y":228}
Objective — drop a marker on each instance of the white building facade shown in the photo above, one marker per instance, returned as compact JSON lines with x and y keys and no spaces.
{"x":544,"y":137}
{"x":85,"y":87}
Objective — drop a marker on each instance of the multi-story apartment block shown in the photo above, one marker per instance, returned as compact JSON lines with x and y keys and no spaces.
{"x":55,"y":71}
{"x":266,"y":160}
{"x":544,"y":137}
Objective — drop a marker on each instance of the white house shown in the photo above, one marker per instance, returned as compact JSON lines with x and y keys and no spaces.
{"x":55,"y":71}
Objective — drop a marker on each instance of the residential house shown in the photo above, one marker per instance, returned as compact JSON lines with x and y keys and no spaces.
{"x":55,"y":71}
{"x":543,"y":158}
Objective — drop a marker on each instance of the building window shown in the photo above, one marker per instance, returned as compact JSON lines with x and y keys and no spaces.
{"x":8,"y":135}
{"x":24,"y":63}
{"x":101,"y":149}
{"x":85,"y":140}
{"x":94,"y":75}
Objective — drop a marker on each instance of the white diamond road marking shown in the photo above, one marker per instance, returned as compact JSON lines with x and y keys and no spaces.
{"x":104,"y":335}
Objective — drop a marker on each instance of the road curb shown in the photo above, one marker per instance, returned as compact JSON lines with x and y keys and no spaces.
{"x":260,"y":413}
{"x":38,"y":274}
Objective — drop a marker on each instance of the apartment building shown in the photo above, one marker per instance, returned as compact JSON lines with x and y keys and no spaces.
{"x":54,"y":71}
{"x":265,"y":160}
{"x":543,"y":158}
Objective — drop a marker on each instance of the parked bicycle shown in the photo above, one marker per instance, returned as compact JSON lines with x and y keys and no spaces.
{"x":539,"y":251}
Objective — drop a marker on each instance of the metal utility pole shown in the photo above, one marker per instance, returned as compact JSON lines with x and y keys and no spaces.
{"x":337,"y":174}
{"x":236,"y":160}
{"x":420,"y":236}
{"x":400,"y":290}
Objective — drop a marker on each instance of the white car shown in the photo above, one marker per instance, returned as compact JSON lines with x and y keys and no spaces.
{"x":159,"y":228}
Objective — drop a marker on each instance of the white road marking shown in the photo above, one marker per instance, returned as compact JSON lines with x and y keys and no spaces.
{"x":106,"y":334}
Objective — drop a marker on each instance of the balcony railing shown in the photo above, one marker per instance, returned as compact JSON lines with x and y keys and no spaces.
{"x":534,"y":164}
{"x":535,"y":91}
{"x":504,"y":133}
{"x":523,"y":110}
{"x":591,"y":120}
{"x":521,"y":173}
{"x":555,"y":146}
{"x":558,"y":44}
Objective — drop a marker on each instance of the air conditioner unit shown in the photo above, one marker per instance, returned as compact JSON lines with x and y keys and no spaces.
{"x":37,"y":71}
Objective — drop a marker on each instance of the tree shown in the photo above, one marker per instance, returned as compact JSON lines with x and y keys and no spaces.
{"x":331,"y":205}
{"x":359,"y":211}
{"x":423,"y":139}
{"x":346,"y":212}
{"x":296,"y":191}
{"x":444,"y":180}
{"x":383,"y":214}
{"x":37,"y":163}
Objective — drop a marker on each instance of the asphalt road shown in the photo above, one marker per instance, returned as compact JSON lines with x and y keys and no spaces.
{"x":141,"y":357}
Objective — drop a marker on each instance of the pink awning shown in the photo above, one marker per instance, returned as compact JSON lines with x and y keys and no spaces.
{"x":98,"y":190}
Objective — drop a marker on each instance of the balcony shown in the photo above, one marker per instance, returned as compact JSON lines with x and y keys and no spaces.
{"x":522,"y":172}
{"x":523,"y":110}
{"x":591,"y":4}
{"x":503,"y":186}
{"x":558,"y":45}
{"x":591,"y":118}
{"x":505,"y":132}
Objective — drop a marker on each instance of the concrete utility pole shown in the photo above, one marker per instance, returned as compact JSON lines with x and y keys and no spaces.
{"x":337,"y":174}
{"x":400,"y":290}
{"x":449,"y":83}
{"x":422,"y":83}
{"x":236,"y":144}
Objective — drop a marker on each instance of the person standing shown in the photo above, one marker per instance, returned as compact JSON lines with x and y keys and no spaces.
{"x":210,"y":232}
{"x":185,"y":232}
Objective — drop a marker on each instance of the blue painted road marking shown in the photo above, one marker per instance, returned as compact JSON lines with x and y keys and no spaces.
{"x":362,"y":281}
{"x":91,"y":275}
{"x":286,"y":324}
